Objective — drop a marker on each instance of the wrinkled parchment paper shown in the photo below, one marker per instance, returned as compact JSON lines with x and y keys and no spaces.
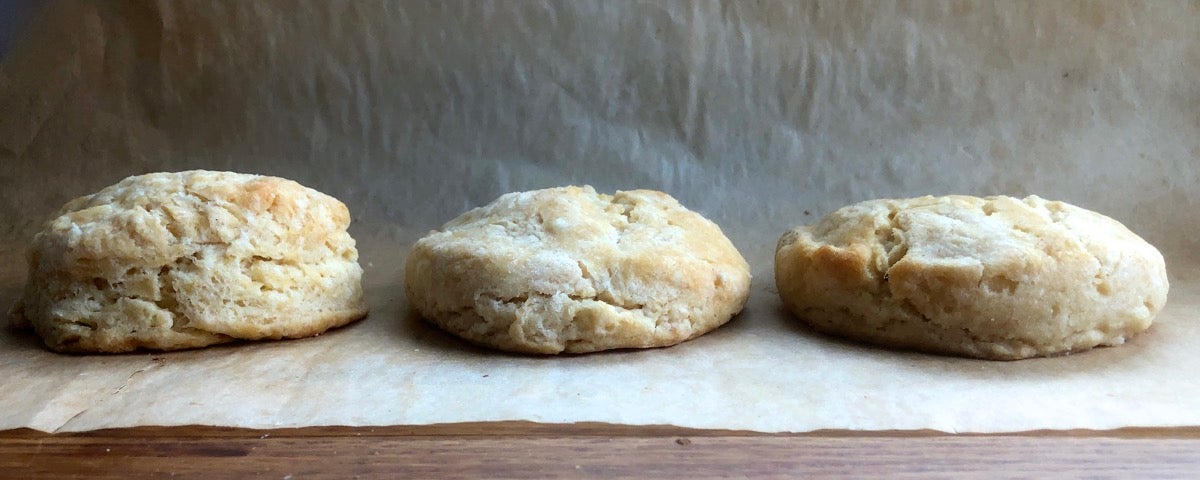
{"x":760,"y":115}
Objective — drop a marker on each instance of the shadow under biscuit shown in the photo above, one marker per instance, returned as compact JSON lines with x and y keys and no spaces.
{"x":15,"y":338}
{"x":428,"y":335}
{"x":21,"y":339}
{"x":1112,"y":359}
{"x":828,"y":342}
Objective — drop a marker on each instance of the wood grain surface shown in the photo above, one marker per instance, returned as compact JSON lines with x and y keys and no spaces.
{"x":524,"y":450}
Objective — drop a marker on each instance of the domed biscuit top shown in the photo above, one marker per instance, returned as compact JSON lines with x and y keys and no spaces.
{"x":570,"y":270}
{"x":996,"y":277}
{"x":181,"y":260}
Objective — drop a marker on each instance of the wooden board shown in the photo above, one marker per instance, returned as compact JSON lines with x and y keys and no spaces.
{"x":524,"y":450}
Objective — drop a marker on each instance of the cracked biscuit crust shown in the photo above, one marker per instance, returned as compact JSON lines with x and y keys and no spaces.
{"x":995,"y":278}
{"x":570,"y":270}
{"x":168,"y":261}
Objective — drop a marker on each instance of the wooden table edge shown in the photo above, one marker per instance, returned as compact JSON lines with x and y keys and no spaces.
{"x":526,"y":450}
{"x":582,"y":429}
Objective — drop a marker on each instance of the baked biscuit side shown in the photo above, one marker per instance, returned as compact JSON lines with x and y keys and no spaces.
{"x":568,"y":270}
{"x":182,"y":260}
{"x":995,"y":278}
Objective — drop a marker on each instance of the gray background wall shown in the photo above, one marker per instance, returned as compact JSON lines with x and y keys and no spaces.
{"x":751,"y":112}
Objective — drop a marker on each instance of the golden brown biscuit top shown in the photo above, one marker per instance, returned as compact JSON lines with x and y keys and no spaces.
{"x":628,"y":249}
{"x":970,"y":232}
{"x":155,"y":218}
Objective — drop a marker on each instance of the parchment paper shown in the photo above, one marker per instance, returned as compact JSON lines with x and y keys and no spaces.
{"x":760,"y":115}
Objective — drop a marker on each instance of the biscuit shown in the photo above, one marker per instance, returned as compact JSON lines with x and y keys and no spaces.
{"x":995,"y":278}
{"x":570,"y":270}
{"x":169,"y":261}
